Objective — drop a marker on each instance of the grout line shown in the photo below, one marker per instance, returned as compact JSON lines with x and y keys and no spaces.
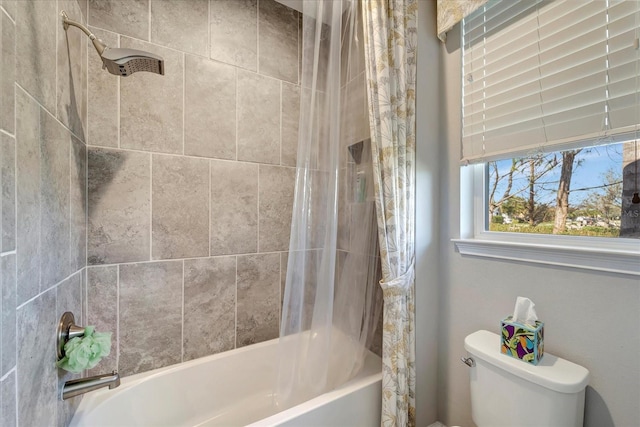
{"x":133,"y":150}
{"x":280,"y":301}
{"x":280,"y":114}
{"x":57,"y":36}
{"x":150,"y":206}
{"x":209,"y":29}
{"x":15,"y":388}
{"x":257,"y":36}
{"x":86,"y":81}
{"x":182,"y":318}
{"x":12,"y":135}
{"x":258,"y":215}
{"x":72,"y":259}
{"x":210,"y":197}
{"x":235,"y":331}
{"x":235,"y":72}
{"x":3,"y":254}
{"x":194,"y":258}
{"x":13,"y":369}
{"x":85,"y":293}
{"x":184,"y":97}
{"x":118,"y":317}
{"x":149,"y":34}
{"x":8,"y":15}
{"x":86,"y":203}
{"x":118,"y":96}
{"x":39,"y":156}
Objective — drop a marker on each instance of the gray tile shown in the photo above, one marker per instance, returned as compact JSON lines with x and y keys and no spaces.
{"x":151,"y":105}
{"x":8,"y":172}
{"x":128,"y":17}
{"x":354,"y":111}
{"x":119,"y":206}
{"x":102,"y":310}
{"x":258,"y":298}
{"x":37,"y":379}
{"x":55,"y":143}
{"x":72,"y":73}
{"x":36,"y":25}
{"x":78,"y":208}
{"x":8,"y":314}
{"x":258,"y":118}
{"x":180,"y":200}
{"x":149,"y":341}
{"x":102,"y":115}
{"x":278,"y":41}
{"x":209,"y":306}
{"x":28,"y":196}
{"x":182,"y":25}
{"x":210,"y":109}
{"x":228,"y":44}
{"x":234,"y":207}
{"x":277,"y":185}
{"x":8,"y":398}
{"x":290,"y":119}
{"x":8,"y":73}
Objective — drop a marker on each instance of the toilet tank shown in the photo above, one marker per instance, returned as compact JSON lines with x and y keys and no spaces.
{"x":511,"y":393}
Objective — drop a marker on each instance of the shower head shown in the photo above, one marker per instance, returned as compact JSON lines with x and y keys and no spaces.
{"x":124,"y":62}
{"x":121,"y":62}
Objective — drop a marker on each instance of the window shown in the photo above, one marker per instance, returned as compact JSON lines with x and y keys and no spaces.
{"x":551,"y":132}
{"x":589,"y":191}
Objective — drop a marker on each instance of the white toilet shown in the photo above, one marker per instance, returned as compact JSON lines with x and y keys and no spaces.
{"x":512,"y":393}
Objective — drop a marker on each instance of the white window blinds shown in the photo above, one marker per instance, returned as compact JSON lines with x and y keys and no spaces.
{"x":549,"y":75}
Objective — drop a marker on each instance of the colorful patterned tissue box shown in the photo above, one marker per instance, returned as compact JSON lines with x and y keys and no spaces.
{"x":521,"y":341}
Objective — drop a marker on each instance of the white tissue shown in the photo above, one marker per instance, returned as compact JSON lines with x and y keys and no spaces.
{"x":524,"y":312}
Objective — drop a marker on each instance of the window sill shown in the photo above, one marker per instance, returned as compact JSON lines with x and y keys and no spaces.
{"x":589,"y":258}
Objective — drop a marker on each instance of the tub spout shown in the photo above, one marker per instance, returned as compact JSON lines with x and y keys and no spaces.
{"x":83,"y":385}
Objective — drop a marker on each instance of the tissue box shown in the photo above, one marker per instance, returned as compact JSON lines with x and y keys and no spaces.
{"x":521,"y":341}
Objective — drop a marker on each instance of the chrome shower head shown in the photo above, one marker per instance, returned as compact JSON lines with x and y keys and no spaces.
{"x":121,"y":62}
{"x":124,"y":62}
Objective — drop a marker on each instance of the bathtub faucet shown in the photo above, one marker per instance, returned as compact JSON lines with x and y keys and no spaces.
{"x":83,"y":385}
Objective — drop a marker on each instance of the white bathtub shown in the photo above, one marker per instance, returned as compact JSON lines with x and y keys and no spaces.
{"x":234,"y":388}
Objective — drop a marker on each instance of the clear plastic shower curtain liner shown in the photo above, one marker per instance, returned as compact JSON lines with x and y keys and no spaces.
{"x":331,"y":302}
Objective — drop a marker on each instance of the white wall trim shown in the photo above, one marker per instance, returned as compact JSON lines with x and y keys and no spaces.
{"x":613,"y":261}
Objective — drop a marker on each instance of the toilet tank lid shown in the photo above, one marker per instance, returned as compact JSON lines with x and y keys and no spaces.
{"x":552,"y":372}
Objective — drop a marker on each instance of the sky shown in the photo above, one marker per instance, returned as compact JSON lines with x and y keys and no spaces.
{"x":590,"y":168}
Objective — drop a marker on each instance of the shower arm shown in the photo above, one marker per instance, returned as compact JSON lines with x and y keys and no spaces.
{"x":97,"y":43}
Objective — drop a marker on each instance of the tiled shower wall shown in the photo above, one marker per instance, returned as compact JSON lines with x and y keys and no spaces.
{"x":43,"y":107}
{"x":191,"y":177}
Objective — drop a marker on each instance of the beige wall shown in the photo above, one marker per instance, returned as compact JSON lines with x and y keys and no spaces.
{"x":590,"y":317}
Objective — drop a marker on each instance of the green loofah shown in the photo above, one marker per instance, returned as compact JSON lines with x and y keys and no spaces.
{"x":85,"y":352}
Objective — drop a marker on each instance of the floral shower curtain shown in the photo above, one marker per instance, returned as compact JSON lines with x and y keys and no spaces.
{"x":390,"y":33}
